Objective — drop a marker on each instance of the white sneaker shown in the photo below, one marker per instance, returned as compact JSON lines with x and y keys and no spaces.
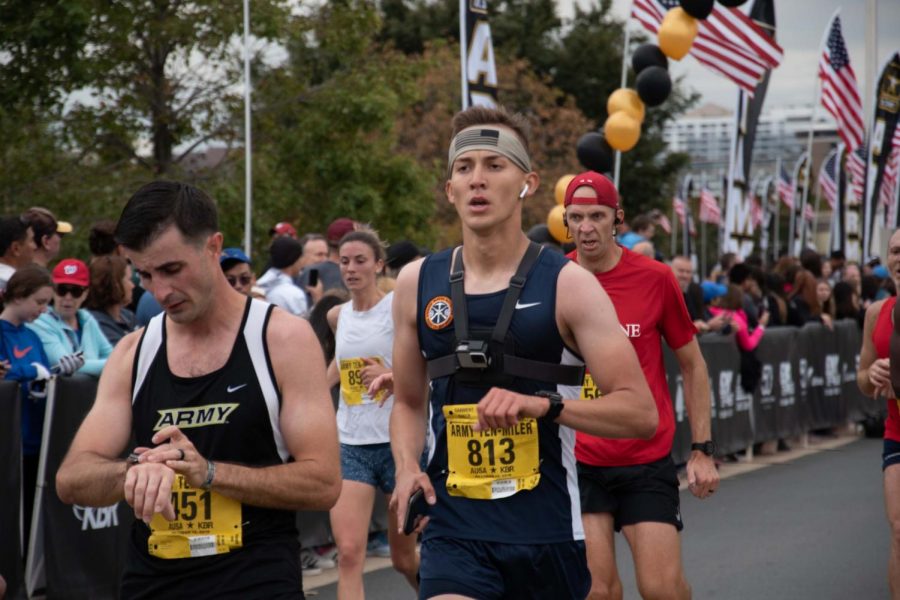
{"x":308,"y":562}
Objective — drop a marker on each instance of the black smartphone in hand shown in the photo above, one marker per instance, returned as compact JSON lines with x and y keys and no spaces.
{"x":313,"y":278}
{"x":415,"y":508}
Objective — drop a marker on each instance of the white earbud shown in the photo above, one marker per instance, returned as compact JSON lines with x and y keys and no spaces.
{"x":524,"y":191}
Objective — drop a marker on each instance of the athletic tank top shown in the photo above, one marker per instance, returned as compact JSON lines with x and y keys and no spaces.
{"x":551,"y":511}
{"x":881,"y":337}
{"x":363,"y":334}
{"x":230,"y":415}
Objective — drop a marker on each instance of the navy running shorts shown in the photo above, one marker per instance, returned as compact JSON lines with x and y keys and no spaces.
{"x":633,"y":494}
{"x":891,"y":454}
{"x":495,"y":571}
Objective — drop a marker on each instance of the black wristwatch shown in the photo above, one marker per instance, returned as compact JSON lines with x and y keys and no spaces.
{"x":708,"y":447}
{"x":556,"y":405}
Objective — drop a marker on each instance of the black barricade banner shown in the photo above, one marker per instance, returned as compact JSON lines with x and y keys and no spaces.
{"x":848,"y":339}
{"x":681,"y":445}
{"x":771,"y":397}
{"x":84,"y":546}
{"x":731,"y":424}
{"x":817,"y":356}
{"x":11,"y":566}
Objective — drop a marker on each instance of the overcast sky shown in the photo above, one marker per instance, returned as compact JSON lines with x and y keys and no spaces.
{"x":800,"y":27}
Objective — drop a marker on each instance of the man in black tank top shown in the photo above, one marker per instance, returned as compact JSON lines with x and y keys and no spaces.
{"x":512,"y":551}
{"x":226,"y":401}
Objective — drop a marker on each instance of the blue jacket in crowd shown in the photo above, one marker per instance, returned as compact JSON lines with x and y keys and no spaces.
{"x":60,"y":340}
{"x":21,"y":347}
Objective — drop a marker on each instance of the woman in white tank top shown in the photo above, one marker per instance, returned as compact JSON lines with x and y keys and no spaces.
{"x":364,"y":337}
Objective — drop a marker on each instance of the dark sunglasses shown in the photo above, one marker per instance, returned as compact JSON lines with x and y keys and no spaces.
{"x":243,"y":280}
{"x":76,"y":291}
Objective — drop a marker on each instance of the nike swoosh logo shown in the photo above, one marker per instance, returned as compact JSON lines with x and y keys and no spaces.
{"x":235,"y":388}
{"x":520,"y":306}
{"x":21,"y":353}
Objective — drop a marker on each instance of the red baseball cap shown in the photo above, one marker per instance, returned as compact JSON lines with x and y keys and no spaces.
{"x":283,"y":228}
{"x":606,"y":191}
{"x":338,"y":229}
{"x":73,"y":271}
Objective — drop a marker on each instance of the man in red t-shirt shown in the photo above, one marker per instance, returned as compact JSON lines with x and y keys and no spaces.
{"x":631,"y":485}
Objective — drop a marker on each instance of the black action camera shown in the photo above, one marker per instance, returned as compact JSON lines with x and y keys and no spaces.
{"x":473,"y":354}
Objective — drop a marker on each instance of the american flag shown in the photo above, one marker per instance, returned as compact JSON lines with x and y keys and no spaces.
{"x":889,"y":180}
{"x":728,"y":41}
{"x":808,"y":213}
{"x":678,"y":206}
{"x":828,"y":178}
{"x":786,"y":188}
{"x":709,"y":208}
{"x":856,"y":167}
{"x":840,"y":92}
{"x":756,"y":211}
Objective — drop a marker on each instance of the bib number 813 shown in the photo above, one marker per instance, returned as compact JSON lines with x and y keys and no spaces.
{"x":504,"y":445}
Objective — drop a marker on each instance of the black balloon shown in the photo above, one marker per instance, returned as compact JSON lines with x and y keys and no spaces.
{"x":699,"y":9}
{"x":594,"y":153}
{"x":731,"y":3}
{"x":648,"y":55}
{"x":653,"y":85}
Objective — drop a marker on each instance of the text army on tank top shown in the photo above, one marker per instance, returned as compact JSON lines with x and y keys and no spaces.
{"x":881,"y":337}
{"x":551,"y":511}
{"x":230,"y":415}
{"x":363,"y":334}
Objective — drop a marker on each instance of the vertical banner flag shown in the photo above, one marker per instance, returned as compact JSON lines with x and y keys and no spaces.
{"x":838,"y":216}
{"x":739,"y":227}
{"x":853,"y":202}
{"x":828,"y":178}
{"x":793,"y":238}
{"x":786,"y":188}
{"x":887,"y":106}
{"x":728,"y":41}
{"x":479,"y":72}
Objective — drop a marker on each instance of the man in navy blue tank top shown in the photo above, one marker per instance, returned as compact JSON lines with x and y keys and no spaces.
{"x":496,"y":329}
{"x":227,"y":401}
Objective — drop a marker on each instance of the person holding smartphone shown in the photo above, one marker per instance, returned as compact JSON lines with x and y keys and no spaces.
{"x":364,"y":336}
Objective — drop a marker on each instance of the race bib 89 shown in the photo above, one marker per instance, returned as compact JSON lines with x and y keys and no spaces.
{"x":353,"y":389}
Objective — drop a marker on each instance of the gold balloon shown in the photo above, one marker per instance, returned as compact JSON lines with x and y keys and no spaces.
{"x":559,"y":192}
{"x":676,"y":33}
{"x":555,"y":224}
{"x":626,"y":99}
{"x":622,"y":131}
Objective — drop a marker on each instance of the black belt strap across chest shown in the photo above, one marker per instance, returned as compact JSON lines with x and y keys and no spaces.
{"x":515,"y":366}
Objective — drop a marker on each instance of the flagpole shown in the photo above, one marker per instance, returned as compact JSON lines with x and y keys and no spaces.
{"x":817,"y":91}
{"x":777,"y":212}
{"x":622,"y":81}
{"x":248,"y":144}
{"x":463,"y":46}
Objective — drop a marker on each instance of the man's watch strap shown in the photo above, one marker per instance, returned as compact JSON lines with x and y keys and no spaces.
{"x":556,"y":405}
{"x":708,"y":447}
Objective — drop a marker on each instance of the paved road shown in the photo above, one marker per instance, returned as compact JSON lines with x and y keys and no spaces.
{"x":813,"y":528}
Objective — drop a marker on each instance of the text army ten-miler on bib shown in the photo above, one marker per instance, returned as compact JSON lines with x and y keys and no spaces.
{"x":206,"y":523}
{"x":352,"y":387}
{"x":488,"y":465}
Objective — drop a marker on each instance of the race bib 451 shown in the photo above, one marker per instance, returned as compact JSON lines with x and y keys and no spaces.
{"x":493,"y":464}
{"x":205,"y":523}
